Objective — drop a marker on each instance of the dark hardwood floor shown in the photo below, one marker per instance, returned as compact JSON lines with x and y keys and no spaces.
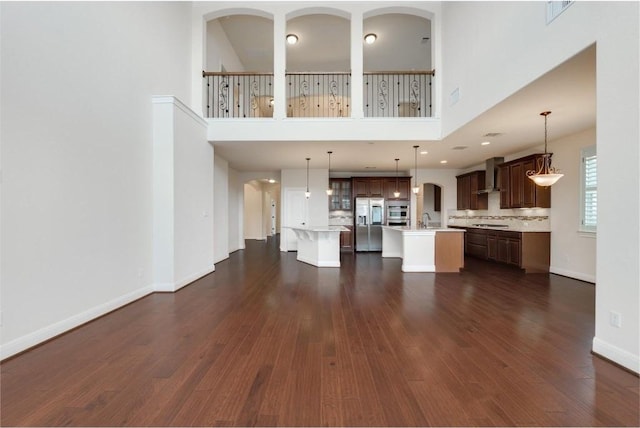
{"x":267,"y":340}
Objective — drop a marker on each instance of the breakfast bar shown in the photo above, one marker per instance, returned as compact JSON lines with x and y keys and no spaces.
{"x":424,"y":250}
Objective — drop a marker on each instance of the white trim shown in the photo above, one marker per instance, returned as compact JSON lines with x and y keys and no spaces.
{"x":191,"y":278}
{"x":168,"y":287}
{"x":617,"y":355}
{"x":39,"y":336}
{"x":318,"y":263}
{"x":170,"y":99}
{"x":572,"y":274}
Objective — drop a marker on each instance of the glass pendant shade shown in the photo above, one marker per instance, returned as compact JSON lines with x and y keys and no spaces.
{"x":396,"y":194}
{"x":416,"y":188}
{"x":545,"y":175}
{"x":329,"y":189}
{"x":307,"y":194}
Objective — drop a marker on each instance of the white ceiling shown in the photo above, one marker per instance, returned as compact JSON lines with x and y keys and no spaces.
{"x":568,"y":91}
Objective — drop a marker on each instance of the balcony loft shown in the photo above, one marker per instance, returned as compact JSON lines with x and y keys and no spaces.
{"x":395,"y":105}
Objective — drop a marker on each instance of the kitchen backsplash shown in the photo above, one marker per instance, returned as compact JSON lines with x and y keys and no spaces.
{"x":340,"y":218}
{"x":517,"y":218}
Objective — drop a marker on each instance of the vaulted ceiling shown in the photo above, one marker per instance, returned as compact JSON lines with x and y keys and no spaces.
{"x":404,"y":41}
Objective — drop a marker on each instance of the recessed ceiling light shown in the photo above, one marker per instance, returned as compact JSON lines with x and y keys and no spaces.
{"x":424,"y":152}
{"x":443,"y":161}
{"x":485,"y":143}
{"x":292,"y":39}
{"x":370,"y":167}
{"x":492,"y":134}
{"x":459,"y":147}
{"x":271,"y":180}
{"x":370,"y":38}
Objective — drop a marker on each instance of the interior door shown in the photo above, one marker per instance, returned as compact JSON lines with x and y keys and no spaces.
{"x":295,"y":213}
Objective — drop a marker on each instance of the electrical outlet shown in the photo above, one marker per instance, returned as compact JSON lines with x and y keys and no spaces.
{"x":615,"y":319}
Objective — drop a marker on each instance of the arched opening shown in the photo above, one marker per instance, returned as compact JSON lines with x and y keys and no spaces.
{"x":429,"y":205}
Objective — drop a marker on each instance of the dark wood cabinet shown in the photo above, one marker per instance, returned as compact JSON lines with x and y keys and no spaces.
{"x":517,"y":190}
{"x":437,"y":198}
{"x":360,"y":187}
{"x":468,"y":186}
{"x":505,"y":186}
{"x":529,"y":251}
{"x":374,"y":187}
{"x":341,"y":198}
{"x":476,"y":243}
{"x":403,"y":185}
{"x":346,"y":239}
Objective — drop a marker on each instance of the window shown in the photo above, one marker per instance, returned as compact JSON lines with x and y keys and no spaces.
{"x":589,"y":190}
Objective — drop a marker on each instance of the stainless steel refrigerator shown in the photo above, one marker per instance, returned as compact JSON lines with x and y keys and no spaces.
{"x":369,"y":220}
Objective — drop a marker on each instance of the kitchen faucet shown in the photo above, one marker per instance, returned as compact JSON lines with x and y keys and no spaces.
{"x":425,"y":224}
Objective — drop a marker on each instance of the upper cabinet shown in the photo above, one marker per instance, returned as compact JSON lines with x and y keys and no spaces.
{"x":468,"y":186}
{"x":402,"y":185}
{"x":517,"y":190}
{"x":374,"y":187}
{"x":341,"y":198}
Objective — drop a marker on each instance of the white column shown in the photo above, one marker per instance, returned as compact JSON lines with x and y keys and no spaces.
{"x":279,"y":66}
{"x":356,"y":65}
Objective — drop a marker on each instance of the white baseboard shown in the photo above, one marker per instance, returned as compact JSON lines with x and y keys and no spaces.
{"x":617,"y":355}
{"x":571,"y":274}
{"x":418,"y":268}
{"x":168,"y":287}
{"x":32,"y":339}
{"x":188,"y":280}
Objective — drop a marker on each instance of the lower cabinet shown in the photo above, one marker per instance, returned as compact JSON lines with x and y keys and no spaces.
{"x":527,"y":250}
{"x":346,"y":239}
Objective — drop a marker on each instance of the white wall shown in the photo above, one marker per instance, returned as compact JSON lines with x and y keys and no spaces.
{"x":253,"y":211}
{"x":193,"y":198}
{"x":573,"y":253}
{"x":222,"y":229}
{"x":220,"y":53}
{"x":510,"y":45}
{"x":236,"y":211}
{"x":76,"y":156}
{"x":318,"y":182}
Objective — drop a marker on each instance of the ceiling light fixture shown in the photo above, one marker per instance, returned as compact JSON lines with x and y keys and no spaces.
{"x":443,"y":161}
{"x":307,"y":194}
{"x":546,"y":175}
{"x":329,"y":189}
{"x":396,"y":194}
{"x":485,"y":143}
{"x":424,"y":152}
{"x":292,"y":39}
{"x":370,"y":38}
{"x":416,"y":189}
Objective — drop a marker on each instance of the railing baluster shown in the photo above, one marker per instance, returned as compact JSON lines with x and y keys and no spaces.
{"x":385,"y":94}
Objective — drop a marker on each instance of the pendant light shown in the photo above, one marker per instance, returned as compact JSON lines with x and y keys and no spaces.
{"x":307,"y":194}
{"x":416,"y":188}
{"x":396,"y":194}
{"x":329,"y":189}
{"x":546,"y":175}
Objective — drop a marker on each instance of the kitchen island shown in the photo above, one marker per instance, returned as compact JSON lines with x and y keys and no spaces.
{"x":424,"y":250}
{"x":319,"y":246}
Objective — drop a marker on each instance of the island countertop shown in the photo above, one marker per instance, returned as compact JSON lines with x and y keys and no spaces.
{"x":424,"y":250}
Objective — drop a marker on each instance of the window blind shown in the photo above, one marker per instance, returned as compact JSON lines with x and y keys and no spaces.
{"x":590,"y":189}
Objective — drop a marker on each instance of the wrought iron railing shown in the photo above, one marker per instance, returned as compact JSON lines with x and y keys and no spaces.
{"x":239,"y":94}
{"x":318,"y":94}
{"x":397,"y":93}
{"x":385,"y":94}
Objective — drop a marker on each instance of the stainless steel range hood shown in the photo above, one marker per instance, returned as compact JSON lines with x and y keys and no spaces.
{"x":491,"y":180}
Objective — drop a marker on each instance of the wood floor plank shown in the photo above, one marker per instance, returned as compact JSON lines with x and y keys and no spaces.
{"x":266,"y":340}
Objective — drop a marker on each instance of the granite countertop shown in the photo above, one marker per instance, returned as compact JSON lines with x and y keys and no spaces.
{"x":508,"y":228}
